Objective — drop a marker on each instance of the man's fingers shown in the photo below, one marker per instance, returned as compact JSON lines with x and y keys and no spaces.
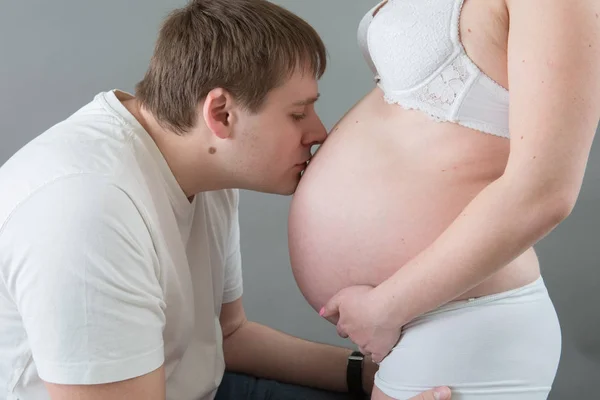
{"x":441,"y":393}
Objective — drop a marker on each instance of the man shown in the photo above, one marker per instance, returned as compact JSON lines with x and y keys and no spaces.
{"x":119,"y":238}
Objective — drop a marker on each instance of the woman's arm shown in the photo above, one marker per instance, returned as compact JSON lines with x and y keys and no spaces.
{"x":554,"y":78}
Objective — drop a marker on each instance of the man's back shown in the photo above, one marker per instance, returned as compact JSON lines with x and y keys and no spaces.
{"x":104,"y":263}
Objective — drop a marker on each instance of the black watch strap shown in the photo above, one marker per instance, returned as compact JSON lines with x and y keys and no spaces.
{"x":354,"y":375}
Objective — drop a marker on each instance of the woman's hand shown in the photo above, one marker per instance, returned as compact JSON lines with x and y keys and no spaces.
{"x":362,"y":318}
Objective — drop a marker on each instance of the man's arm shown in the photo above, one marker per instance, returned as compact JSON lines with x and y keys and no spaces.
{"x":147,"y":387}
{"x":81,"y":273}
{"x":263,"y":352}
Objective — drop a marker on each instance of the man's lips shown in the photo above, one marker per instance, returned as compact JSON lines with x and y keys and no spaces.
{"x":302,"y":166}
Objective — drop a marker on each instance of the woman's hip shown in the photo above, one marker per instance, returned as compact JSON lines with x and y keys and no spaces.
{"x":497,"y":347}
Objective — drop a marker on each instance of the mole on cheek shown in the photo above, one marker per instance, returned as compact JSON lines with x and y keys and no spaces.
{"x":212,"y":150}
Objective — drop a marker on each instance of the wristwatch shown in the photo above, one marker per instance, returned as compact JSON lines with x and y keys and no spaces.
{"x":354,"y":375}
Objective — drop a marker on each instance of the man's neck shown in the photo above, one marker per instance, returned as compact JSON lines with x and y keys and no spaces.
{"x":186,"y":155}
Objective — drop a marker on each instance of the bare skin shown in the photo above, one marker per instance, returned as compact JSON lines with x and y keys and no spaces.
{"x":426,"y":173}
{"x":421,"y":177}
{"x":398,"y":214}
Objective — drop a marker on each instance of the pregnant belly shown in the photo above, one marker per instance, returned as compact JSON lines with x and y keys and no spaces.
{"x":369,"y":202}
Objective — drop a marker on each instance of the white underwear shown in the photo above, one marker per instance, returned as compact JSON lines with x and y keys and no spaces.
{"x":498,"y":347}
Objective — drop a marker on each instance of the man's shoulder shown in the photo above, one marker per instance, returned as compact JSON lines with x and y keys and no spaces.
{"x":91,"y":145}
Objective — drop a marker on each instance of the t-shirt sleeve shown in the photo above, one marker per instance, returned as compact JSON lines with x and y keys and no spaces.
{"x":82,"y":271}
{"x":233,"y":264}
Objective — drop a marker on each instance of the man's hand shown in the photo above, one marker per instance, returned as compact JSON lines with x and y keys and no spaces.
{"x":442,"y":393}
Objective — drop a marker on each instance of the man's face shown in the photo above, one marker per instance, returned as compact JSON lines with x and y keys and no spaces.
{"x":275,"y":143}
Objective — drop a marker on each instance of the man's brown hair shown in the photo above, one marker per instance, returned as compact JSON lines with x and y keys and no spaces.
{"x":247,"y":47}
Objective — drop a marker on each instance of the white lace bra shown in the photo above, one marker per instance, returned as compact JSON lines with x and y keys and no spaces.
{"x":413,"y":48}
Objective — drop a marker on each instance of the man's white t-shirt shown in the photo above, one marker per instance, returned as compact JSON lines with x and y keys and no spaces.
{"x":107,"y":270}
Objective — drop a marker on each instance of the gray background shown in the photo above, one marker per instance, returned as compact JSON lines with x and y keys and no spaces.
{"x":56,"y":55}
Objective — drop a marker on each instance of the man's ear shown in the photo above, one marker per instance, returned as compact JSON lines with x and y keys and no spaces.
{"x":217,"y":112}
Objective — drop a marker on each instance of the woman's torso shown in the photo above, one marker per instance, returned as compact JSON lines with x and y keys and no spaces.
{"x":388,"y":181}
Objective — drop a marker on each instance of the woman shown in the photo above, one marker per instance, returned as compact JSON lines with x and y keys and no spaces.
{"x":418,"y":216}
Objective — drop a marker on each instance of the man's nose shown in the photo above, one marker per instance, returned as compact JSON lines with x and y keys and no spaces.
{"x":316,"y":133}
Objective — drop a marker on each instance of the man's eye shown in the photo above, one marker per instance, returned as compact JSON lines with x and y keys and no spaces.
{"x":298,"y":117}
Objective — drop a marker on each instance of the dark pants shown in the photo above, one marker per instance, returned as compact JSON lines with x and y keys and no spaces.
{"x":244,"y":387}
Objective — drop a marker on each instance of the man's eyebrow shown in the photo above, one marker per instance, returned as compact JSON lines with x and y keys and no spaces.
{"x":308,"y":101}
